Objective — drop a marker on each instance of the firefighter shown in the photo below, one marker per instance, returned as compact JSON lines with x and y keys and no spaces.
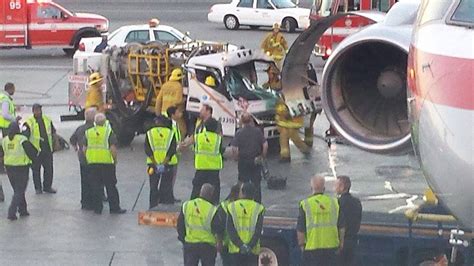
{"x":94,"y":92}
{"x":288,"y":127}
{"x":274,"y":82}
{"x":208,"y":159}
{"x":317,"y":231}
{"x":8,"y":115}
{"x":160,"y":148}
{"x":40,"y":130}
{"x":275,"y":45}
{"x":200,"y":229}
{"x":18,"y":153}
{"x":244,"y":226}
{"x":100,"y":146}
{"x":171,"y":94}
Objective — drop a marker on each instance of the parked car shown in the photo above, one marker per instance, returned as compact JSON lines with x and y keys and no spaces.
{"x":256,"y":13}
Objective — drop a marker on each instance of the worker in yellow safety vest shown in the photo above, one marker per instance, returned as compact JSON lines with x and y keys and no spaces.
{"x":208,"y":161}
{"x":288,"y":127}
{"x":223,"y":212}
{"x":18,"y":153}
{"x":200,"y":229}
{"x":275,"y":45}
{"x":171,"y":94}
{"x":7,"y":116}
{"x":40,"y":129}
{"x":94,"y":97}
{"x":160,"y":148}
{"x":317,"y":226}
{"x":175,"y":114}
{"x":100,"y":145}
{"x":244,"y":227}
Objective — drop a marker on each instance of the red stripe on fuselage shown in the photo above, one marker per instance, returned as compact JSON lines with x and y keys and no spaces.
{"x":443,"y":79}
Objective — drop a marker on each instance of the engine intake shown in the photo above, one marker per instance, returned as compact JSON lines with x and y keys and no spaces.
{"x":364,"y":95}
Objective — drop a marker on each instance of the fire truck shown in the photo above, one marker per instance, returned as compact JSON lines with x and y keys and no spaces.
{"x":363,"y":13}
{"x":43,"y":23}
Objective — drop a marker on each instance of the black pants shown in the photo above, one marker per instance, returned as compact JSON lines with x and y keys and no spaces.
{"x":207,"y":176}
{"x":86,"y":189}
{"x":45,"y":160}
{"x":18,"y":176}
{"x":346,"y":257}
{"x":101,"y":175}
{"x":161,"y":187}
{"x":250,"y":172}
{"x":320,"y":257}
{"x":205,"y":253}
{"x":237,"y":259}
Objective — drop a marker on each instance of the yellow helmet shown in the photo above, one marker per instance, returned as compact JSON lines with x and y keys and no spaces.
{"x":281,"y":109}
{"x":176,"y":74}
{"x":210,"y":81}
{"x":276,"y":26}
{"x":94,"y":78}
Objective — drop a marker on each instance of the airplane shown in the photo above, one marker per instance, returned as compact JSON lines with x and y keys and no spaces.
{"x":404,"y":84}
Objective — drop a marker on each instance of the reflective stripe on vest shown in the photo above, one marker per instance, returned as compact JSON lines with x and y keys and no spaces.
{"x":245,"y":214}
{"x":35,"y":135}
{"x":321,"y":213}
{"x":207,"y":151}
{"x":198,"y":215}
{"x":177,"y":134}
{"x":15,"y":155}
{"x":4,"y":123}
{"x":160,"y":139}
{"x":98,"y":150}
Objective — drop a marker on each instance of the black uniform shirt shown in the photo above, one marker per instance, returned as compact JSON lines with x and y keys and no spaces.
{"x":78,"y":138}
{"x":249,"y":140}
{"x":350,"y":215}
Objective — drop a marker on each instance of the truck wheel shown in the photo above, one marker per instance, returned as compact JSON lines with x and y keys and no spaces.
{"x":289,"y":24}
{"x":273,"y":253}
{"x":231,"y":22}
{"x":70,"y":51}
{"x":123,"y":132}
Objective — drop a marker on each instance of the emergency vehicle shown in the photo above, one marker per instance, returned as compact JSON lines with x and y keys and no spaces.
{"x":45,"y":24}
{"x":363,"y":13}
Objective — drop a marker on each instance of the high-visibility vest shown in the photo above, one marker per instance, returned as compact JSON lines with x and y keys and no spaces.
{"x":177,"y":134}
{"x":198,"y":215}
{"x":35,"y":136}
{"x":245,"y":214}
{"x":225,"y":207}
{"x":160,"y":139}
{"x":321,"y":213}
{"x":207,"y":147}
{"x":15,"y":155}
{"x":98,"y":148}
{"x":4,"y":123}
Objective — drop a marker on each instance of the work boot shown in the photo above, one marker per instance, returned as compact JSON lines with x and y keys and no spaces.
{"x":39,"y":191}
{"x":24,"y":214}
{"x":2,"y":196}
{"x":50,"y":190}
{"x":12,"y":218}
{"x":118,"y":211}
{"x":285,"y":159}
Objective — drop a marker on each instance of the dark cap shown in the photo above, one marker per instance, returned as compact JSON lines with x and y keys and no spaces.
{"x":36,"y":105}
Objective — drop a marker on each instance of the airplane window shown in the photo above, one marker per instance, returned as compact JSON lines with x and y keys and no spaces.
{"x":245,"y":3}
{"x":433,"y":10}
{"x":141,"y":36}
{"x":464,"y":12}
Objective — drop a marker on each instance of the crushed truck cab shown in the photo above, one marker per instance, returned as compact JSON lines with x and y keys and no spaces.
{"x":43,"y":23}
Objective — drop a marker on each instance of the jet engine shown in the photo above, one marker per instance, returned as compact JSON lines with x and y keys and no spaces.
{"x":363,"y":85}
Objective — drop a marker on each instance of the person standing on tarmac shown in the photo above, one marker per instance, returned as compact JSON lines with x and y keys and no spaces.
{"x":77,"y":141}
{"x":39,"y":129}
{"x":94,"y":96}
{"x":208,"y":159}
{"x":18,"y":153}
{"x":275,"y":45}
{"x":174,"y":114}
{"x":200,"y":229}
{"x":350,"y":215}
{"x":101,"y":154}
{"x":8,"y":115}
{"x":223,"y":212}
{"x":160,"y":148}
{"x":171,"y":94}
{"x":317,"y":230}
{"x":244,"y":226}
{"x":250,"y":147}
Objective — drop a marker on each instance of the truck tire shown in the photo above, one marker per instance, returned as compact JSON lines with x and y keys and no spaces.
{"x":273,"y":253}
{"x":123,"y":132}
{"x":289,"y":24}
{"x":88,"y":33}
{"x":231,"y":22}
